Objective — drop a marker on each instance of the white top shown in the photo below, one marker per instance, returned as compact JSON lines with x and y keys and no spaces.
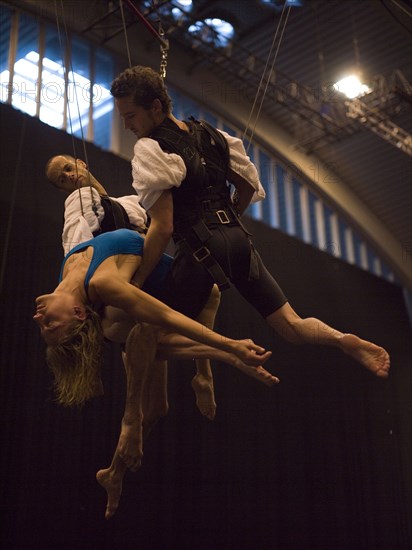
{"x":154,"y":171}
{"x":79,"y":228}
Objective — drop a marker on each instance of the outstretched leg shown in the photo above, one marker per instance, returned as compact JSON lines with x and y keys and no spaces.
{"x":296,"y":330}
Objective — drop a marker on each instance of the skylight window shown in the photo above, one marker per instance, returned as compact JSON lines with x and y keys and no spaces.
{"x":279,"y":4}
{"x":352,"y":87}
{"x":177,"y":10}
{"x":217,"y":32}
{"x":25,"y":92}
{"x":185,"y":5}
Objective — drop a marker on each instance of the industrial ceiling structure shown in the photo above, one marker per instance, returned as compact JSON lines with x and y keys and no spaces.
{"x":285,"y":59}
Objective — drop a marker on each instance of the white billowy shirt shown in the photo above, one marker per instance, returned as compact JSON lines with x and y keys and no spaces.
{"x":154,"y":171}
{"x":79,"y":227}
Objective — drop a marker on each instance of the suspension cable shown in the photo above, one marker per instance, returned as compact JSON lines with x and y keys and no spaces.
{"x":125,"y":33}
{"x":65,"y":66}
{"x":269,"y":75}
{"x":13,"y":201}
{"x":159,"y":35}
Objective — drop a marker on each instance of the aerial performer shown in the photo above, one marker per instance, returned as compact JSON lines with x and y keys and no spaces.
{"x":183,"y":172}
{"x":146,"y":398}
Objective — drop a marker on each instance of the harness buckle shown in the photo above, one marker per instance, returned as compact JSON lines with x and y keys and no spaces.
{"x":201,"y":253}
{"x":222,"y":216}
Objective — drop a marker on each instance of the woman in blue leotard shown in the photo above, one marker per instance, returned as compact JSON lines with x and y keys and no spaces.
{"x":96,"y":274}
{"x":121,"y":241}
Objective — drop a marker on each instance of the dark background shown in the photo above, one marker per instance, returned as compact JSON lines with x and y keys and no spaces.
{"x":322,"y":461}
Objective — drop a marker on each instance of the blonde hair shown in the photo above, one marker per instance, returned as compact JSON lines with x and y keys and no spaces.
{"x":75,"y":361}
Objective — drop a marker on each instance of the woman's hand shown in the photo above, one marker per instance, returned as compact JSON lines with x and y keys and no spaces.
{"x":250,"y":353}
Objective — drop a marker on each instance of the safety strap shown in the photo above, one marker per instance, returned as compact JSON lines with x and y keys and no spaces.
{"x":115,"y":217}
{"x":214,"y":211}
{"x":202,"y":254}
{"x":218,"y":139}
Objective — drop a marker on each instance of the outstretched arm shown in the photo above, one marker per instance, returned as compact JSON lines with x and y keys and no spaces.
{"x":175,"y":346}
{"x":142,"y":307}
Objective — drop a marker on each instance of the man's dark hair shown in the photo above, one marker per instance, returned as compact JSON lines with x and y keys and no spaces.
{"x":144,"y":85}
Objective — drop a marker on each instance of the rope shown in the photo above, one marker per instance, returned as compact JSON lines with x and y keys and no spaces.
{"x":269,"y":76}
{"x":94,"y":206}
{"x":125,"y":33}
{"x":12,"y":202}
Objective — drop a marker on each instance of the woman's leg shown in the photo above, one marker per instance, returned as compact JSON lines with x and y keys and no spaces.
{"x":141,"y":409}
{"x":287,"y":323}
{"x":155,"y":401}
{"x":140,"y":353}
{"x":202,"y":382}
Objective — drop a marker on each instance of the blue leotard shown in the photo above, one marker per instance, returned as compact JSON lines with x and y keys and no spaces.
{"x":121,"y":241}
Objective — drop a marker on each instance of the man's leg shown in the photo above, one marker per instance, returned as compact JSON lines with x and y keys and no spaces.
{"x":296,"y":330}
{"x":265,"y":294}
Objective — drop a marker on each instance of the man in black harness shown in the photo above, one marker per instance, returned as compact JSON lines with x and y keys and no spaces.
{"x":182,"y":172}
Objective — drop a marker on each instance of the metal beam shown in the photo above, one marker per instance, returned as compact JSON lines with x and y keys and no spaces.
{"x":380,"y":124}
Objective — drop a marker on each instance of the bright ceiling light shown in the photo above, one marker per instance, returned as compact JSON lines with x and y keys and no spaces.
{"x":351,"y":86}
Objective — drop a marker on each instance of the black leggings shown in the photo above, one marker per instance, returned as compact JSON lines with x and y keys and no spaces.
{"x":188,"y":284}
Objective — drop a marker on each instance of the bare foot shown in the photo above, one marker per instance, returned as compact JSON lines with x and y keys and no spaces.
{"x":130,"y":445}
{"x":258,"y":373}
{"x":205,"y":395}
{"x":113,"y":486}
{"x":371,"y":356}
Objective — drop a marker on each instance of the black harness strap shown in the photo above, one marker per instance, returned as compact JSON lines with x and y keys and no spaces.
{"x":203,"y":201}
{"x":195,"y":244}
{"x":115,"y":217}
